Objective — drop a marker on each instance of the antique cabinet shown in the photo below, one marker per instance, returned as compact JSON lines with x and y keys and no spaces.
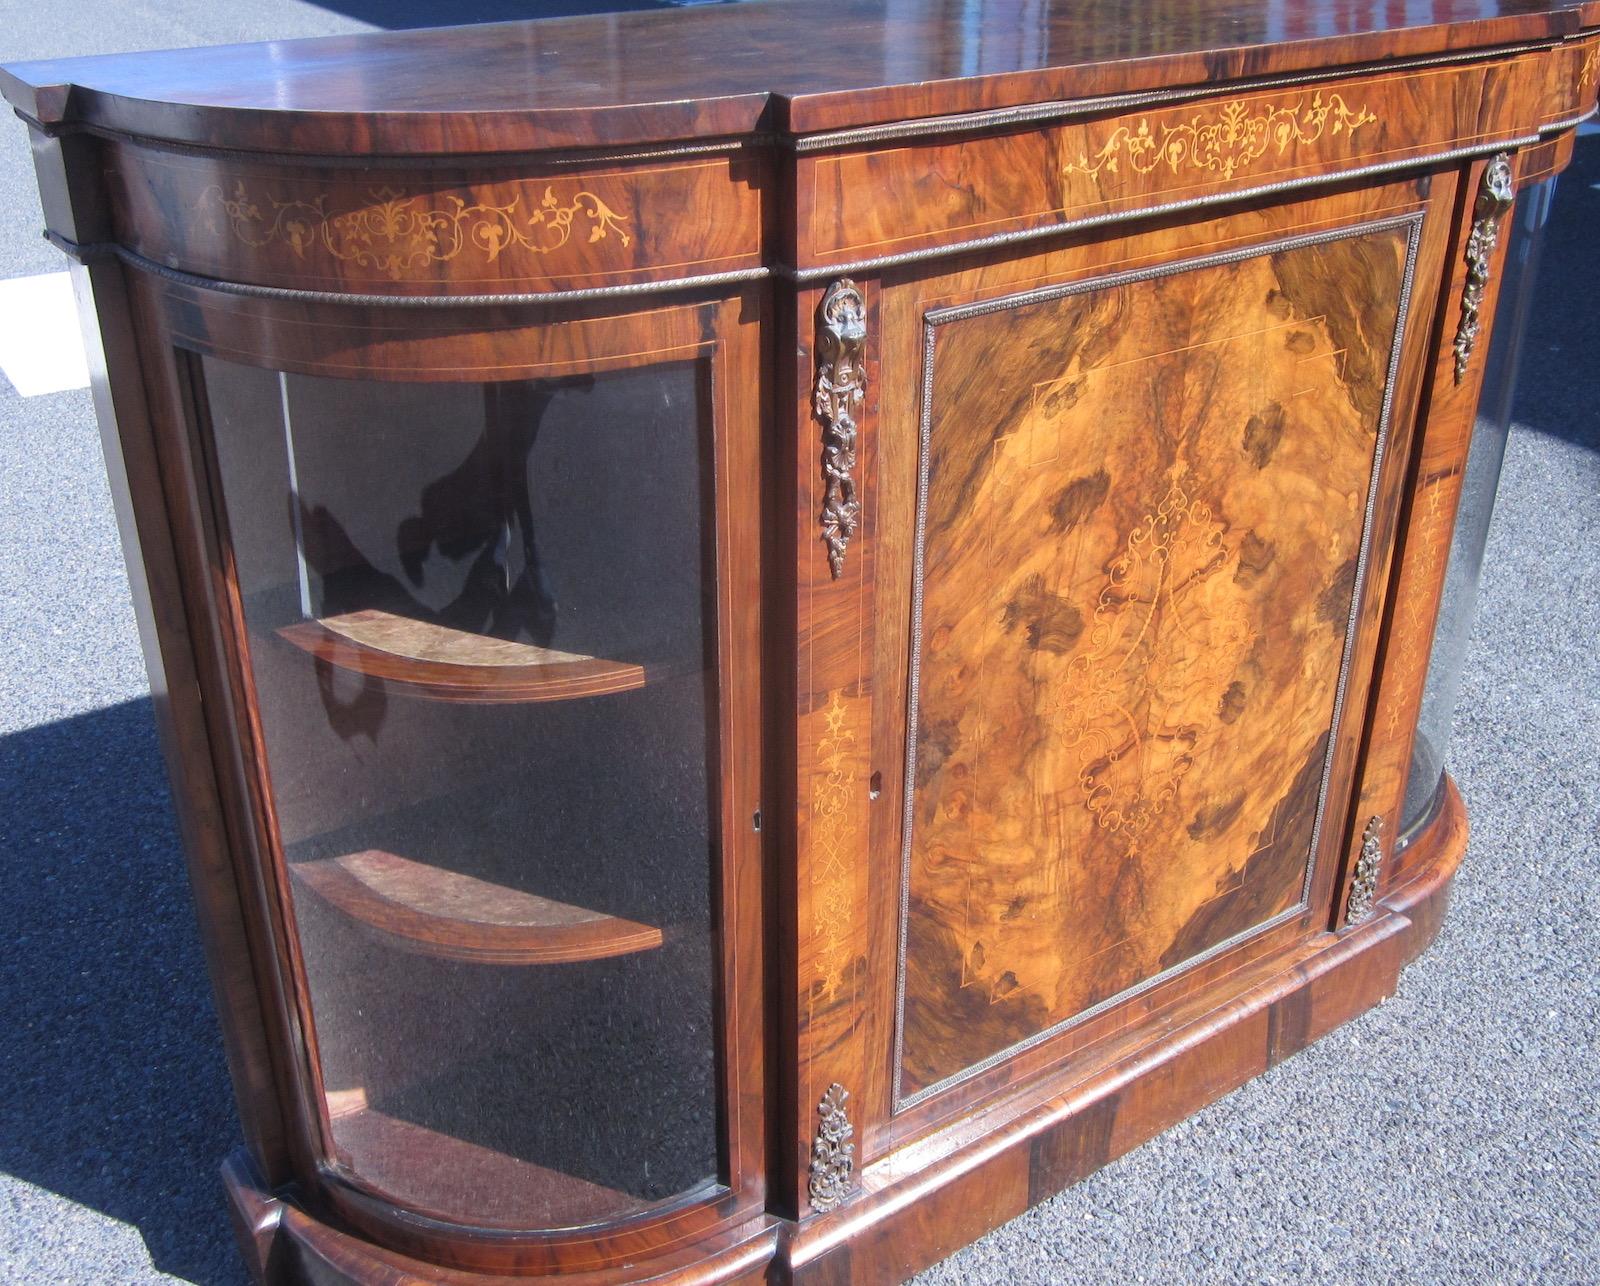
{"x":780,"y":632}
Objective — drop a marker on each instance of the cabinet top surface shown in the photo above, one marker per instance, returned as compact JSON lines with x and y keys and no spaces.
{"x":782,"y":65}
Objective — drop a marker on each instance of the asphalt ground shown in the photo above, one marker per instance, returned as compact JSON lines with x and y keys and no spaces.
{"x":1451,"y":1135}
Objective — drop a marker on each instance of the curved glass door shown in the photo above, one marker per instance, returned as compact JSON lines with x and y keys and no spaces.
{"x":480,"y":632}
{"x":1425,"y":782}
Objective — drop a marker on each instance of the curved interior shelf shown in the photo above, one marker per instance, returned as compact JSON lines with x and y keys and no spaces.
{"x":442,"y":664}
{"x":434,"y":912}
{"x":434,"y":1171}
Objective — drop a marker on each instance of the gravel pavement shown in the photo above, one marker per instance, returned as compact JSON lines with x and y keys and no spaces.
{"x":1451,"y":1135}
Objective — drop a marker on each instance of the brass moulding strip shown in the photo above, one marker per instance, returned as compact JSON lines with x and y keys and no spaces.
{"x":1571,"y":122}
{"x":92,"y":251}
{"x":102,"y":251}
{"x":932,"y":320}
{"x":559,"y":157}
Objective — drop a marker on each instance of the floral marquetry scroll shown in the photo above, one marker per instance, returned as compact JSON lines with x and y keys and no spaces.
{"x":833,"y":824}
{"x":417,"y":230}
{"x":395,"y":232}
{"x":1224,"y":140}
{"x":1126,"y":796}
{"x":1130,"y":644}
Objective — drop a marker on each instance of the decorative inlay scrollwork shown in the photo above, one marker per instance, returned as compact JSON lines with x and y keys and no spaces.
{"x":833,"y":1155}
{"x":836,"y":783}
{"x":1364,"y":885}
{"x":837,"y":399}
{"x":1496,"y":192}
{"x":1129,"y":772}
{"x":398,"y":232}
{"x":1225,"y":140}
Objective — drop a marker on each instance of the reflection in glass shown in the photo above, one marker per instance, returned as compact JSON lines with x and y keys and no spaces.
{"x":1482,"y":476}
{"x":479,"y":621}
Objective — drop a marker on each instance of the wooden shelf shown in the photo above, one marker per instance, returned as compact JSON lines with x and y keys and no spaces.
{"x":445,"y":1175}
{"x":434,"y":912}
{"x":442,"y":664}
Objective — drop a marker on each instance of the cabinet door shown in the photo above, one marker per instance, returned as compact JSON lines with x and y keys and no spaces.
{"x":496,"y":685}
{"x":1131,"y":498}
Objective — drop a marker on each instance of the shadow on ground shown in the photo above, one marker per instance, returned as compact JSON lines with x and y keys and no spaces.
{"x":397,"y":14}
{"x":116,"y":1093}
{"x":1555,"y":389}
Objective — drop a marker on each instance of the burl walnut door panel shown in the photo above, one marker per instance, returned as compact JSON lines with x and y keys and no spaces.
{"x":1144,"y":503}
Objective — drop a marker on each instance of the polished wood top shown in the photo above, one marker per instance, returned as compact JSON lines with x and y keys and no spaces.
{"x":781,"y":65}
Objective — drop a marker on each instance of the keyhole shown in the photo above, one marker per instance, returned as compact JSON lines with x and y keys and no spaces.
{"x":875,"y":785}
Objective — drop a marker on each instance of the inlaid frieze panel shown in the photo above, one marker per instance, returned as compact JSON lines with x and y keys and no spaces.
{"x":1143,"y":513}
{"x":1570,"y":80}
{"x":902,"y":197}
{"x":415,"y":231}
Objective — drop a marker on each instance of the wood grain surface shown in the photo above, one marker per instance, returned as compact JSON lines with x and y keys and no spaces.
{"x":471,"y":230}
{"x":913,"y":194}
{"x":636,"y":78}
{"x":1144,"y":507}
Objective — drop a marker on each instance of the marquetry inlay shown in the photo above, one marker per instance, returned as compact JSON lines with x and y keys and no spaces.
{"x":395,"y":232}
{"x":1177,"y":542}
{"x":837,"y":782}
{"x":1225,"y":139}
{"x":1433,"y":518}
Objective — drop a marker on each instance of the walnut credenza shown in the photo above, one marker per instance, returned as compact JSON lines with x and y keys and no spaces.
{"x":779,"y":631}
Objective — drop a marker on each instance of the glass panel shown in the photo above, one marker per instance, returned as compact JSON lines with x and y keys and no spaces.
{"x":1478,"y":486}
{"x":480,"y":627}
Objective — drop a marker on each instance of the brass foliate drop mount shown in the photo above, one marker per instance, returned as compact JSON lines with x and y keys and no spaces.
{"x":1496,"y":194}
{"x":833,"y":1155}
{"x":1364,"y":885}
{"x":837,"y":398}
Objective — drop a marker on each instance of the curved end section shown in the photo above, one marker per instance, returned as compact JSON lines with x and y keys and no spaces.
{"x":1434,"y":857}
{"x":257,"y":1218}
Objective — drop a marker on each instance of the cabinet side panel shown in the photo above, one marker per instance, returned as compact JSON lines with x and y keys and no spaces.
{"x":70,"y":175}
